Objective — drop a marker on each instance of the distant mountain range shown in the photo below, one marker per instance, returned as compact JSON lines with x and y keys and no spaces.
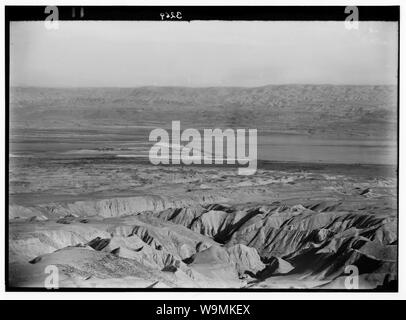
{"x":334,"y":110}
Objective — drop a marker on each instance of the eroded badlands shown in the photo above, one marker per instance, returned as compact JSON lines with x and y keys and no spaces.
{"x":116,"y":223}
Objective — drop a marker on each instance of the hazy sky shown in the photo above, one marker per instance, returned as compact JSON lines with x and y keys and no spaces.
{"x":211,"y":53}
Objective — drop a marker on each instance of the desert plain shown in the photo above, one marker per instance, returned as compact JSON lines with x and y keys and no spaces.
{"x":84,"y":197}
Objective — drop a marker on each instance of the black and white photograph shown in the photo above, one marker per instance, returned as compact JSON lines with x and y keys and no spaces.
{"x":204,"y":148}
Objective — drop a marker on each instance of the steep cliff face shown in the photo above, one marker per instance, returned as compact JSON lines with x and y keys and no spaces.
{"x":111,"y":207}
